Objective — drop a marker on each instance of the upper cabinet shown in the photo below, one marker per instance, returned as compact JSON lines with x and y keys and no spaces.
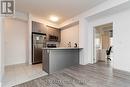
{"x":53,"y":34}
{"x":38,"y":27}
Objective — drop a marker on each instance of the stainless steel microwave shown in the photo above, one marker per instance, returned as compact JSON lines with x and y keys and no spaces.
{"x":53,"y":38}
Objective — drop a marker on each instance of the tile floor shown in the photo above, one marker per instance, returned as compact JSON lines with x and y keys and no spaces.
{"x":17,"y":74}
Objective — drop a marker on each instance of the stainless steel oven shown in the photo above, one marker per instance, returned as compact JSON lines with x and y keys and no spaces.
{"x":51,"y":46}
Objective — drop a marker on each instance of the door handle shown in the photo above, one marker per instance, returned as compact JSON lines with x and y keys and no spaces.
{"x":33,"y":52}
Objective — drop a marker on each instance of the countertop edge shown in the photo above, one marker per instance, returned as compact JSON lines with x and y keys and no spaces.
{"x":62,"y":48}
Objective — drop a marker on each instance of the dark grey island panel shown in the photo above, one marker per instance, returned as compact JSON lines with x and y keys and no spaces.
{"x":45,"y":61}
{"x":58,"y":59}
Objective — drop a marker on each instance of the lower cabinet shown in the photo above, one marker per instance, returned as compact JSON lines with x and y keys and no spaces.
{"x":55,"y":60}
{"x":45,"y":60}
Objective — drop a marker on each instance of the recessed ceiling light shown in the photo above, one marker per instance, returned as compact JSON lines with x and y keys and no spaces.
{"x":54,"y":18}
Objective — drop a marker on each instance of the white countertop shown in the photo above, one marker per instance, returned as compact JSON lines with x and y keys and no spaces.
{"x":61,"y":48}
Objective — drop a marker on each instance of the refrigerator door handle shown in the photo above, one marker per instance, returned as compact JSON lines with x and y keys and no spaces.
{"x":33,"y":53}
{"x":48,"y":51}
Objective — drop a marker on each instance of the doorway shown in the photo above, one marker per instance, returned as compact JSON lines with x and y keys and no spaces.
{"x":103,"y":43}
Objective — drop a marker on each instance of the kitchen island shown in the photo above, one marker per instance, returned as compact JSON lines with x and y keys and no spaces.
{"x":55,"y":59}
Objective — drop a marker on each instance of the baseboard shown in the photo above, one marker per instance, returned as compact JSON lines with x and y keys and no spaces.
{"x":15,"y":64}
{"x":121,"y":74}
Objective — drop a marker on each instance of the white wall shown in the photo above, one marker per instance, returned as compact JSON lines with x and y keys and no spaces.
{"x":70,"y":34}
{"x":121,"y":43}
{"x":15,"y":41}
{"x":83,"y":41}
{"x":1,"y":50}
{"x":21,"y":15}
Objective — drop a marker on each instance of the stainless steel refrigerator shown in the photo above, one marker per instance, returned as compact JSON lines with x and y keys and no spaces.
{"x":38,"y":43}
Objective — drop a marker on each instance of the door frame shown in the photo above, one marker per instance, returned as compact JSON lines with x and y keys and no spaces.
{"x":94,"y":46}
{"x":94,"y":60}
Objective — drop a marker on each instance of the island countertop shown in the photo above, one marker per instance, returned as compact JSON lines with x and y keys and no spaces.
{"x":61,"y":48}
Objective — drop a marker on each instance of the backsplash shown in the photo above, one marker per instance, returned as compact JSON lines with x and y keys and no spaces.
{"x":67,"y":44}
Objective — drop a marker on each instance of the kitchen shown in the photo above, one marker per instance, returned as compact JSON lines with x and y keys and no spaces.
{"x":58,"y":52}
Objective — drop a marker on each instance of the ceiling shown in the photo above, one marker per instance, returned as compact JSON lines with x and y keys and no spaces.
{"x":64,"y":9}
